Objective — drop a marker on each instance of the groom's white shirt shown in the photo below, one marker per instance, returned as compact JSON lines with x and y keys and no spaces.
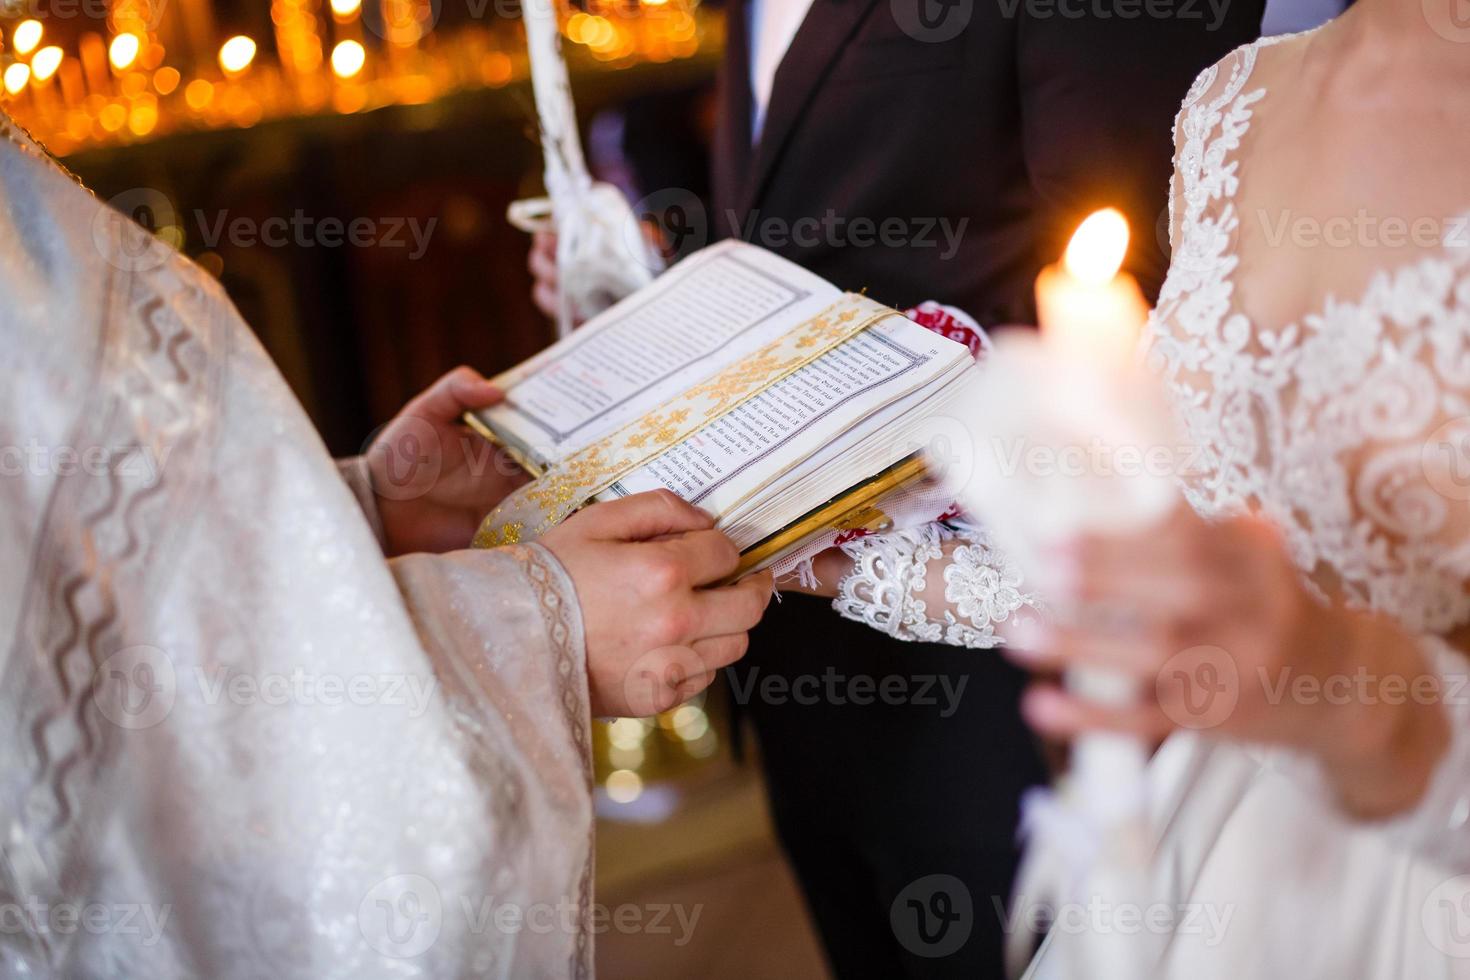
{"x":773,"y":26}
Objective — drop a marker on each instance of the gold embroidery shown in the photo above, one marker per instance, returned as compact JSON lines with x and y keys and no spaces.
{"x":735,"y":381}
{"x":824,"y":332}
{"x":658,"y":428}
{"x":492,"y":537}
{"x":565,"y":487}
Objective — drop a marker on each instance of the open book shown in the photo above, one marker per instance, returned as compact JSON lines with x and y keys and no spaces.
{"x":743,"y":383}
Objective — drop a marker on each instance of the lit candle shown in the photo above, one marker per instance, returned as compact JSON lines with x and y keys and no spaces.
{"x":198,"y":17}
{"x":348,"y":57}
{"x":44,"y":65}
{"x":26,"y":36}
{"x":17,"y":76}
{"x":124,"y":51}
{"x":16,"y":81}
{"x":1089,"y":309}
{"x":1053,"y":419}
{"x":1060,"y":397}
{"x":1092,"y":314}
{"x":236,"y":55}
{"x":92,"y":52}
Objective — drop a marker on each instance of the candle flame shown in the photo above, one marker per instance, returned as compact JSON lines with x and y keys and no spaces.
{"x":124,"y":51}
{"x":26,"y":36}
{"x":1098,"y":247}
{"x":45,"y":62}
{"x":348,"y":57}
{"x":236,"y":54}
{"x":16,"y":77}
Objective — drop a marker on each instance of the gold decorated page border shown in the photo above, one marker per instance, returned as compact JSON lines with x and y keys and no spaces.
{"x":568,"y":484}
{"x":856,"y":508}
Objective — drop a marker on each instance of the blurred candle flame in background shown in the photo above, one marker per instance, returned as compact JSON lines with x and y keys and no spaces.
{"x":236,"y":54}
{"x":16,"y":77}
{"x":27,"y":35}
{"x":158,"y":67}
{"x":46,"y":62}
{"x":124,"y":51}
{"x":348,"y":58}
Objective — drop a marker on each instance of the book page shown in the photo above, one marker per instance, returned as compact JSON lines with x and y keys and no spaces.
{"x":711,"y":310}
{"x":917,"y":422}
{"x":724,"y":464}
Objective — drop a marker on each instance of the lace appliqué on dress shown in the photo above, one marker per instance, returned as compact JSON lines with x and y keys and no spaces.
{"x":890,"y":578}
{"x":1333,"y":425}
{"x":1321,"y":424}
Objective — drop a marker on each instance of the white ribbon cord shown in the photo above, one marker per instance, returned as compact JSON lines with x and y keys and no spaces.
{"x":602,"y":253}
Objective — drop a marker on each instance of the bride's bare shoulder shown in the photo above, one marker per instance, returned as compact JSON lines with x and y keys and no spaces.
{"x":1254,"y":65}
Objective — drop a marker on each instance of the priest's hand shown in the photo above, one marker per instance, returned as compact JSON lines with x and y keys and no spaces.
{"x":434,"y":479}
{"x":657,"y":628}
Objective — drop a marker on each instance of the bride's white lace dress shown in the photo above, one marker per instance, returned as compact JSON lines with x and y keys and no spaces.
{"x":1341,"y":428}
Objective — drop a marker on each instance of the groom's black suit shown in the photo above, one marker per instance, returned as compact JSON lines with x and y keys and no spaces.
{"x":1008,"y":126}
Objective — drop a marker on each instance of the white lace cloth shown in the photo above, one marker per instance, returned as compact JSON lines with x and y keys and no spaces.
{"x":889,"y":587}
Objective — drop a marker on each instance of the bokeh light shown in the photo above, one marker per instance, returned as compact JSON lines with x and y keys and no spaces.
{"x":236,"y":54}
{"x":165,"y":80}
{"x":124,"y":51}
{"x":45,"y":62}
{"x":348,"y":57}
{"x":16,"y":77}
{"x":26,"y":36}
{"x":624,"y":785}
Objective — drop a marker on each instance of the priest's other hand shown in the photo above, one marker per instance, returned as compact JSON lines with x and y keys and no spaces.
{"x":434,"y":479}
{"x":657,"y":629}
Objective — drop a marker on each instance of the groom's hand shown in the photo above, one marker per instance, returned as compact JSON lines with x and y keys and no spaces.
{"x":541,"y":263}
{"x":656,"y":630}
{"x":434,"y":479}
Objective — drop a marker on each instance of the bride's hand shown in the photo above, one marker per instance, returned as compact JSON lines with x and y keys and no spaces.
{"x":434,"y":479}
{"x":1214,"y":624}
